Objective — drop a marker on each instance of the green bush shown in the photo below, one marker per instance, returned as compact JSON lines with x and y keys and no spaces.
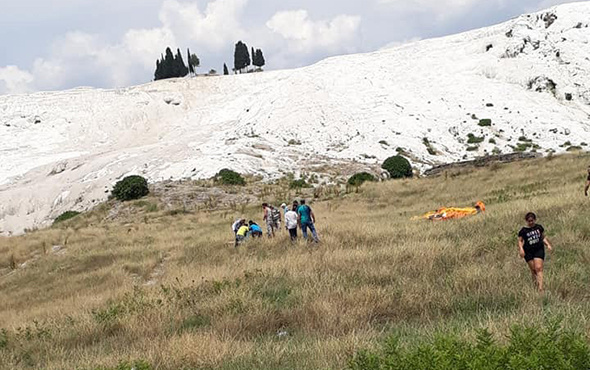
{"x":229,"y":177}
{"x":486,"y":122}
{"x":359,"y":178}
{"x":66,"y":216}
{"x":131,"y":187}
{"x":398,"y":167}
{"x":522,"y":147}
{"x":527,"y":348}
{"x":472,"y":139}
{"x":298,"y":184}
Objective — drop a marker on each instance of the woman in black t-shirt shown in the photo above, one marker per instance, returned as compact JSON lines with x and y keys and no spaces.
{"x":531,"y":245}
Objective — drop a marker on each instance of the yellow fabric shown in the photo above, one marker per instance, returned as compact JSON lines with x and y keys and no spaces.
{"x":448,"y":213}
{"x":243,"y":231}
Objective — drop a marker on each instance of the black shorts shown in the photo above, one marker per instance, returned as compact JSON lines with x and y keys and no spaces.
{"x":531,"y":254}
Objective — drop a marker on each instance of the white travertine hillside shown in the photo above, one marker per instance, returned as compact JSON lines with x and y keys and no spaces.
{"x":530,"y":76}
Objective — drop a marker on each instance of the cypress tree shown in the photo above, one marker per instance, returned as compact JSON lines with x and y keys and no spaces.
{"x":241,"y":56}
{"x":194,"y":61}
{"x":253,"y":54}
{"x":158,"y":73}
{"x":180,"y":69}
{"x":168,"y":64}
{"x":247,"y":55}
{"x":225,"y":70}
{"x":259,"y":59}
{"x":191,"y":69}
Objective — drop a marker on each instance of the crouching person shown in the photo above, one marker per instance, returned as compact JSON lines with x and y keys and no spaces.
{"x":255,"y":230}
{"x":242,"y":234}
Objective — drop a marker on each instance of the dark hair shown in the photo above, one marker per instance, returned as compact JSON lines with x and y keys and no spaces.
{"x":530,"y":215}
{"x":295,"y":203}
{"x":250,"y":222}
{"x":302,"y":201}
{"x":265,"y":204}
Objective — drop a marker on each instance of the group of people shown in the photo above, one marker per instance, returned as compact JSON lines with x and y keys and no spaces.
{"x":531,"y":238}
{"x":298,"y":215}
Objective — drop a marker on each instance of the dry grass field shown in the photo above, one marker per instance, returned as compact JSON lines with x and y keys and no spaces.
{"x":167,"y":290}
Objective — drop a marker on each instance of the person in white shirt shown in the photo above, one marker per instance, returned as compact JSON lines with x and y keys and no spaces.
{"x":291,"y":222}
{"x":236,"y":225}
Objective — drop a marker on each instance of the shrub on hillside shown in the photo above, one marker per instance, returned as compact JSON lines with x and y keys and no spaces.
{"x":66,"y":216}
{"x":486,"y":122}
{"x":298,"y":184}
{"x":131,"y":187}
{"x":472,"y":139}
{"x":398,"y":167}
{"x":360,"y":178}
{"x":229,"y":177}
{"x":527,"y":348}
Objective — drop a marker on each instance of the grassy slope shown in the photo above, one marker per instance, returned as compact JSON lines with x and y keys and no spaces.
{"x":171,"y":290}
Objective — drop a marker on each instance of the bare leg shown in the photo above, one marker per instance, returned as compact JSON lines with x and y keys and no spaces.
{"x":539,"y":271}
{"x":531,"y":264}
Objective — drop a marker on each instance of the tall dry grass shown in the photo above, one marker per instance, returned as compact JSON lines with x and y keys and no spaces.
{"x":169,"y":288}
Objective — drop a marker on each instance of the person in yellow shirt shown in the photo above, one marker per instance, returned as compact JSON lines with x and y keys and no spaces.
{"x":242,"y":234}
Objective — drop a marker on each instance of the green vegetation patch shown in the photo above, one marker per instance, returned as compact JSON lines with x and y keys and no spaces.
{"x":429,"y":147}
{"x":398,"y":167}
{"x":485,"y":122}
{"x":527,"y":347}
{"x":66,"y":216}
{"x":472,"y":139}
{"x":229,"y":177}
{"x":299,"y":184}
{"x":360,"y":178}
{"x":131,"y":187}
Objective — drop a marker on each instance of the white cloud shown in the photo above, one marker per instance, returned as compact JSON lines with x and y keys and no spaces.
{"x":304,"y":34}
{"x":83,"y":58}
{"x":14,"y":80}
{"x":440,"y":10}
{"x":211,"y":29}
{"x":80,"y":58}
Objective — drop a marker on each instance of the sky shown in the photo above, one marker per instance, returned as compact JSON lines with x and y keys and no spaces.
{"x":62,"y":44}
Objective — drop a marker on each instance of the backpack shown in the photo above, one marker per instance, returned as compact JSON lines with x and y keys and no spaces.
{"x":275,"y":215}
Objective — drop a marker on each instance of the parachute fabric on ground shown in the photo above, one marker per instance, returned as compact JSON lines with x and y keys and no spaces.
{"x":449,"y":213}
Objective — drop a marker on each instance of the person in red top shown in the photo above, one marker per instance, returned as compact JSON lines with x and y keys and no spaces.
{"x":531,"y":246}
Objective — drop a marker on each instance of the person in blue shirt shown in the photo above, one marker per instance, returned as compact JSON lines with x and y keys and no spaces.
{"x":255,"y":230}
{"x":307,"y":220}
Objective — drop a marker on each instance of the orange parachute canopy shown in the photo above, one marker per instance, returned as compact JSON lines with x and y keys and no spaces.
{"x":448,"y":213}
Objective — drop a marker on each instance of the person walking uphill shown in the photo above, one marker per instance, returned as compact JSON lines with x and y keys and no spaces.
{"x":291,"y":223}
{"x":531,"y":246}
{"x":270,"y":225}
{"x":275,"y":214}
{"x":307,"y":220}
